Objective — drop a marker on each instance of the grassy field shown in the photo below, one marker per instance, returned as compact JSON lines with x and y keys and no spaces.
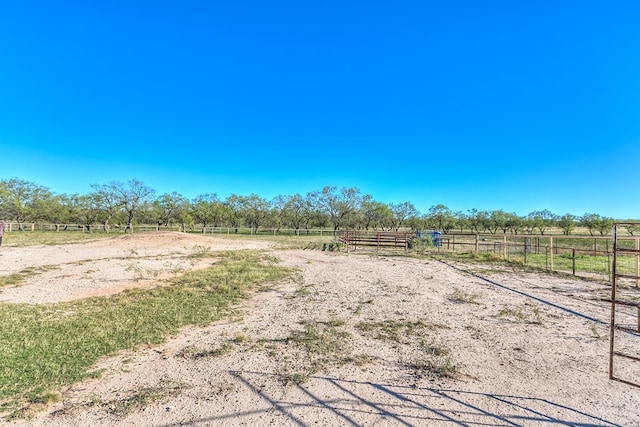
{"x":29,"y":238}
{"x":47,"y":347}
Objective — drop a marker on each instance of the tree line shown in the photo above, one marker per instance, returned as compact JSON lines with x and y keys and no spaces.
{"x":121,"y":204}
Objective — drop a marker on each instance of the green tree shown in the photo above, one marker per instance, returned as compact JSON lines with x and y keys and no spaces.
{"x":23,"y":201}
{"x":375,"y":215}
{"x":633,"y":228}
{"x":441,"y":218}
{"x":61,"y":209}
{"x":503,"y":221}
{"x":107,"y":201}
{"x":401,"y":212}
{"x":294,"y":211}
{"x":338,"y":205}
{"x":208,"y":210}
{"x":86,"y":210}
{"x":605,"y":225}
{"x":234,"y":211}
{"x":255,"y":210}
{"x":134,"y":197}
{"x":513,"y":224}
{"x":168,"y":208}
{"x":567,"y":223}
{"x":477,"y":220}
{"x":528,"y":224}
{"x":542,"y":220}
{"x":461,"y":220}
{"x":591,"y":221}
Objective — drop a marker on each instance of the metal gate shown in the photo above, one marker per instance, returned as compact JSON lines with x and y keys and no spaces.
{"x":624,"y":337}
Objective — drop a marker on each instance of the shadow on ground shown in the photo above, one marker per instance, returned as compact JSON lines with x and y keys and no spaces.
{"x":332,"y":401}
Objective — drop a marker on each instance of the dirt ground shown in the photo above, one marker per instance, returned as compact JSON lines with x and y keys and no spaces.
{"x":357,"y":339}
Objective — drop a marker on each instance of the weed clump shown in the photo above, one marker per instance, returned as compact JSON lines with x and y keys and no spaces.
{"x":459,"y":296}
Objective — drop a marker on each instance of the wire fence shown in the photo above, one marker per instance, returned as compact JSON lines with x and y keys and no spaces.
{"x":137,"y":228}
{"x":584,"y":256}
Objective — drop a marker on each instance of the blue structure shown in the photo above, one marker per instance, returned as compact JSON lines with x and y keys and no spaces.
{"x":436,"y":238}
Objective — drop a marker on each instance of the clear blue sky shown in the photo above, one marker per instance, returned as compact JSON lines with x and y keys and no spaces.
{"x":491,"y":105}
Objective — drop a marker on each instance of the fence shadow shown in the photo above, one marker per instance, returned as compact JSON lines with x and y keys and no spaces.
{"x":360,"y":403}
{"x":524,"y":294}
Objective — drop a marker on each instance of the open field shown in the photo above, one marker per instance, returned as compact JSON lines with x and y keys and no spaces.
{"x":319,"y":338}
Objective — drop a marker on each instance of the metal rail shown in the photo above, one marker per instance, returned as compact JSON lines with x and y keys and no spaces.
{"x":378,"y":239}
{"x":618,"y":300}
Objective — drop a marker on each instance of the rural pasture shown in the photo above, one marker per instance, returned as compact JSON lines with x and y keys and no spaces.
{"x":181,"y":329}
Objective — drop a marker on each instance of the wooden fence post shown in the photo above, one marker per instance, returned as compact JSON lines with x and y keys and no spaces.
{"x":551,"y":252}
{"x":504,"y":246}
{"x":477,"y":243}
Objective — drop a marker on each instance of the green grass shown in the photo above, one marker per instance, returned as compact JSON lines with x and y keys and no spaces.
{"x":436,"y":360}
{"x":30,"y":238}
{"x":138,"y":400}
{"x":530,"y":313}
{"x":194,"y":352}
{"x":320,"y":338}
{"x":400,"y":331}
{"x":316,"y":347}
{"x":564,"y":262}
{"x":48,"y":347}
{"x":198,"y":252}
{"x":474,"y":258}
{"x":593,"y":327}
{"x":459,"y":296}
{"x":16,"y":279}
{"x":433,"y":359}
{"x":287,"y":241}
{"x":361,"y":304}
{"x":585,"y":263}
{"x":142,"y":397}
